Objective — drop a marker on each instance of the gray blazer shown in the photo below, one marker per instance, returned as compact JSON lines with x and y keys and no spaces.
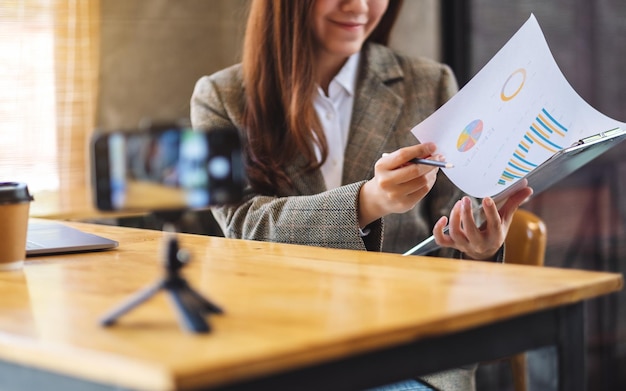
{"x":393,"y":94}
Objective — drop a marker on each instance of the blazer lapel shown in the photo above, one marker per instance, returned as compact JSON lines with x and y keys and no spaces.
{"x":375,"y":113}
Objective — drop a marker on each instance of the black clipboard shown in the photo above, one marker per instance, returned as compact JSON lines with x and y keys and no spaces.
{"x":557,"y":167}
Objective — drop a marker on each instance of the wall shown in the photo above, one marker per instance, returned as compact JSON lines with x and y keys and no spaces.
{"x":153,"y":51}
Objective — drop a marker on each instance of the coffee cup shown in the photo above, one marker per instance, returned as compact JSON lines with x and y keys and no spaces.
{"x":14,"y":204}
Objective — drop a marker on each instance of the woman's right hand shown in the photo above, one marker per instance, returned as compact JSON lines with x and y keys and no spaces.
{"x":397,"y":185}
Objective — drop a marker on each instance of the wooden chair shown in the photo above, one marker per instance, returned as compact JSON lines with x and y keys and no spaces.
{"x":525,"y":244}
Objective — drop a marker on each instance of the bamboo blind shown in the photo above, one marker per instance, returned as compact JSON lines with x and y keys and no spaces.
{"x":48,"y":90}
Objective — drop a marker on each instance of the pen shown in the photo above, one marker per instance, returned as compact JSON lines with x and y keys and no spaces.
{"x":429,"y":162}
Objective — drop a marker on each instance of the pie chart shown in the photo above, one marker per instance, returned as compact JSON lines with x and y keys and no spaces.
{"x":469,"y":136}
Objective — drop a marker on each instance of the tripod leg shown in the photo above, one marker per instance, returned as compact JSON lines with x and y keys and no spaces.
{"x":190,"y":316}
{"x":131,"y":303}
{"x":206,"y":305}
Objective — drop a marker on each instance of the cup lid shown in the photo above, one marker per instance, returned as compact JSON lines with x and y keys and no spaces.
{"x":14,"y":192}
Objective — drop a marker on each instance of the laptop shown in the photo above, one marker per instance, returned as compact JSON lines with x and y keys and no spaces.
{"x":50,"y":237}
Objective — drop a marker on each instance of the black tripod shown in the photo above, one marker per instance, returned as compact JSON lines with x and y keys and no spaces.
{"x":189,"y":304}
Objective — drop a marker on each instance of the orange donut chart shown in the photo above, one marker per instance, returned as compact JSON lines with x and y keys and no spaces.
{"x":505,"y":97}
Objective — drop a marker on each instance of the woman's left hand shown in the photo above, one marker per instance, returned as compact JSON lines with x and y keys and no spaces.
{"x":479,"y":242}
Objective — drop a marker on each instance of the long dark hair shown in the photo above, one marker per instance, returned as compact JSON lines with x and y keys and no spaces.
{"x":278,"y":71}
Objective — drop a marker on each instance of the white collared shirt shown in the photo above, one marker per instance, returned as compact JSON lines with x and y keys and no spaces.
{"x":335,"y":112}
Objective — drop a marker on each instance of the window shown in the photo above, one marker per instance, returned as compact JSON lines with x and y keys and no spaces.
{"x":48,"y":89}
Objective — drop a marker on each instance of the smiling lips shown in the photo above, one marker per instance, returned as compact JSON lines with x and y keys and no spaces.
{"x":349,"y":25}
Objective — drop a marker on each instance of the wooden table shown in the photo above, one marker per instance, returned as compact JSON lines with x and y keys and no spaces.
{"x":64,"y":204}
{"x":296,"y":317}
{"x":74,"y":203}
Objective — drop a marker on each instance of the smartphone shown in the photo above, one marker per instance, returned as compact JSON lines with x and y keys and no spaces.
{"x":166,"y":168}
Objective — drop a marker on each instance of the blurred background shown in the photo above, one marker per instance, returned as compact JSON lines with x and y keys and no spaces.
{"x":69,"y":67}
{"x":585,"y":213}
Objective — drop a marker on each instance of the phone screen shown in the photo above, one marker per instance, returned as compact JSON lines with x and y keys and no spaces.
{"x":170,"y":168}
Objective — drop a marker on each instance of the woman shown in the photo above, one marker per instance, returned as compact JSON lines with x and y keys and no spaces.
{"x":319,"y":99}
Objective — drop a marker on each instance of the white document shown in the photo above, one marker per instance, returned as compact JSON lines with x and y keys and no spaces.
{"x":516,"y":113}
